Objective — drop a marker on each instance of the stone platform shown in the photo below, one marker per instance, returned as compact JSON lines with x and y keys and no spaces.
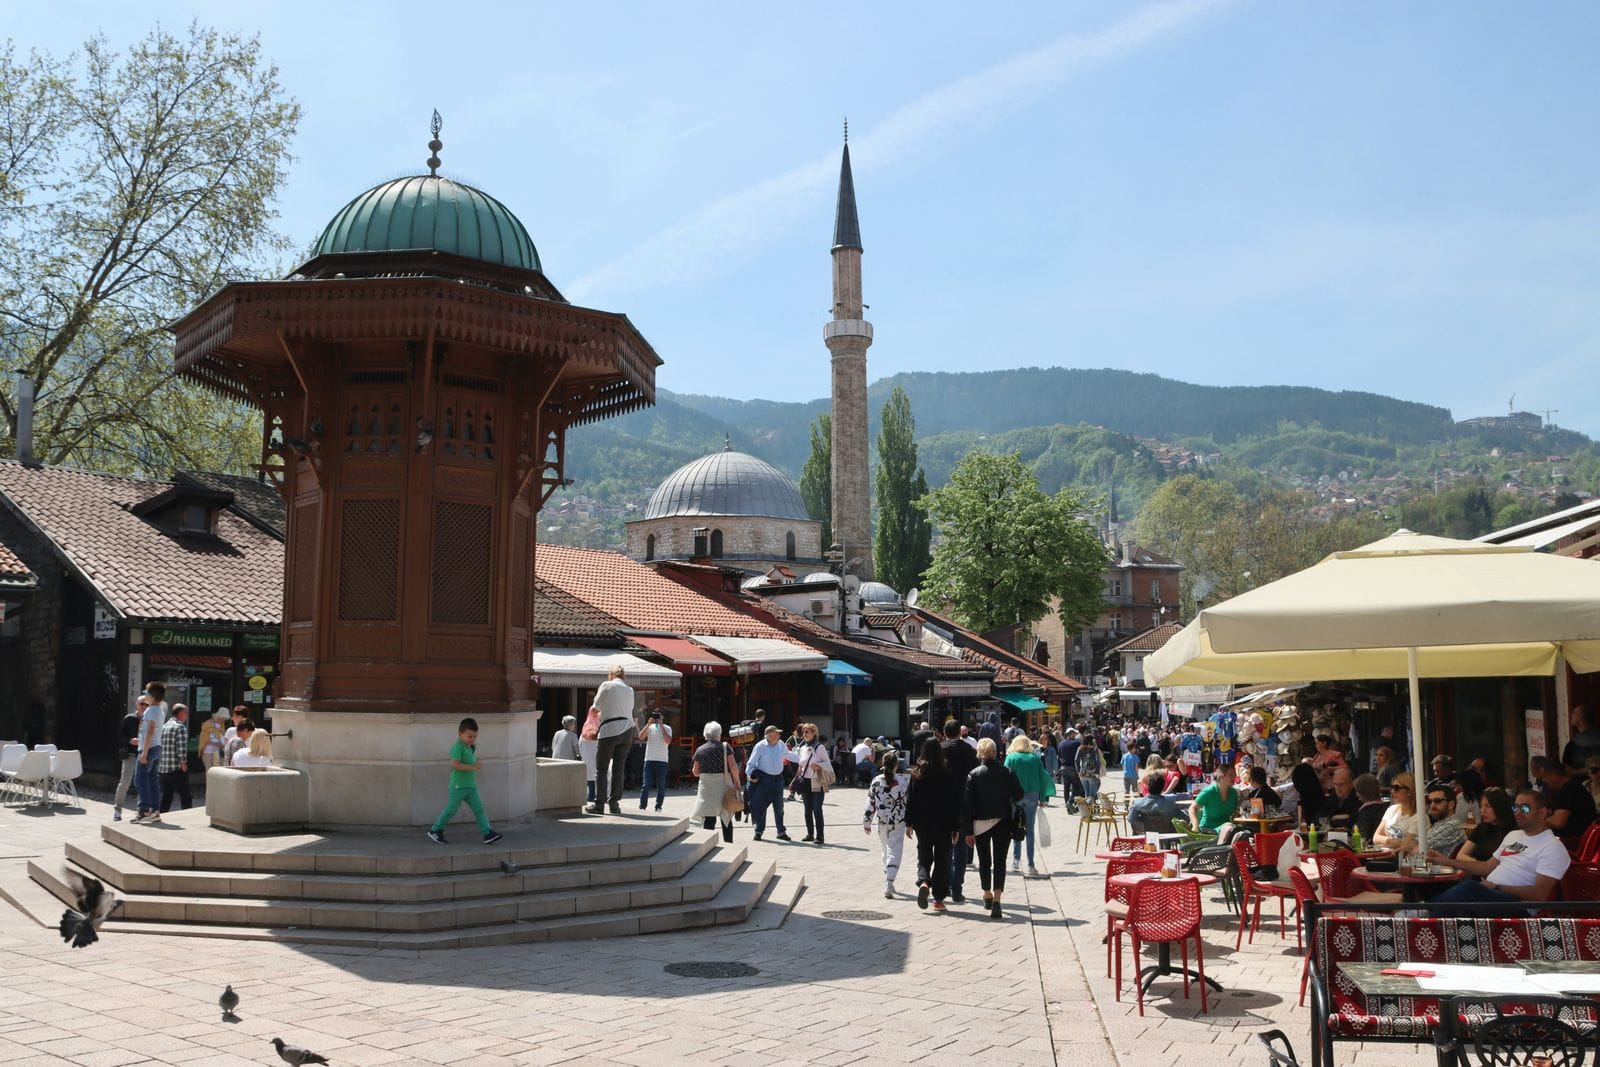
{"x":582,"y":877}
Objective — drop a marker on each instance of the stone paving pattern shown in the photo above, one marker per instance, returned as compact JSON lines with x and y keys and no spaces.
{"x":916,"y":988}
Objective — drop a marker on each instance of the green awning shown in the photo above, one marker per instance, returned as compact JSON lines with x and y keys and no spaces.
{"x":1020,"y":700}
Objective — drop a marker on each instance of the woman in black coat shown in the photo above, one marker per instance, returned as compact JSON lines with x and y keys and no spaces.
{"x":992,"y":794}
{"x":933,"y":816}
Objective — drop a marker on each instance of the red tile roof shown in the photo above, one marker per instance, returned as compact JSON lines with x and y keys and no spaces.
{"x":140,"y":570}
{"x":557,"y":613}
{"x":12,"y":570}
{"x":1148,"y":641}
{"x":639,"y":597}
{"x":1010,"y":667}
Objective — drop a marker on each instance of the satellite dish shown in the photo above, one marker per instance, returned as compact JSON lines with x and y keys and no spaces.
{"x":911,"y":597}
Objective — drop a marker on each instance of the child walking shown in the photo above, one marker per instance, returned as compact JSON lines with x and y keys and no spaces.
{"x":464,"y":785}
{"x":886,"y":806}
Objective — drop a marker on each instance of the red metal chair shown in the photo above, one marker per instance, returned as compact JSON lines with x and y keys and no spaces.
{"x":1245,"y":855}
{"x":1126,"y":844}
{"x":1116,"y":897}
{"x":1588,"y":850}
{"x":1581,"y":882}
{"x":1164,"y":910}
{"x":1303,"y":893}
{"x":1333,"y":874}
{"x":1267,"y":846}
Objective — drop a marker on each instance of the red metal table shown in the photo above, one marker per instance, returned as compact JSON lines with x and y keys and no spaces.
{"x":1409,"y":885}
{"x":1163,"y":965}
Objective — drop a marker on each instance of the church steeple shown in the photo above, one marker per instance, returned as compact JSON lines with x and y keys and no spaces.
{"x":846,"y":226}
{"x":847,"y":338}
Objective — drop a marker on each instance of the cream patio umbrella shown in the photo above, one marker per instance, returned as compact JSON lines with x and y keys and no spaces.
{"x":1408,"y":606}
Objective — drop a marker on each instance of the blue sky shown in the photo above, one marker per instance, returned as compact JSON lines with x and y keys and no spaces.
{"x":1401,"y":198}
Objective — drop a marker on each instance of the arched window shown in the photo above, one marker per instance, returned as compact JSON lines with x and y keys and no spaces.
{"x":788,"y":545}
{"x":716,"y":543}
{"x":650,"y":547}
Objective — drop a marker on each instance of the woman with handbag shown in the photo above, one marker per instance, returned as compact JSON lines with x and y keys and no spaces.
{"x":988,"y":818}
{"x":719,"y":793}
{"x":813,"y":779}
{"x":1037,"y":787}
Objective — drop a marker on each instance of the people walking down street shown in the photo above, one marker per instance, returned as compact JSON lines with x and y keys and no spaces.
{"x":1037,"y":786}
{"x":1130,"y":769}
{"x":933,"y":821}
{"x":716,"y":772}
{"x":1091,"y":767}
{"x":810,"y":785}
{"x":959,"y":759}
{"x":990,"y":728}
{"x":1046,"y":747}
{"x":657,"y":749}
{"x":174,"y":767}
{"x":127,"y":740}
{"x":613,"y":702}
{"x":564,"y":745}
{"x":148,"y":775}
{"x":992,"y":792}
{"x":886,"y":813}
{"x":1067,"y":753}
{"x":764,"y":771}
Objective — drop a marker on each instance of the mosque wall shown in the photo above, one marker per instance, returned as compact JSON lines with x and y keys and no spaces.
{"x":744,"y":537}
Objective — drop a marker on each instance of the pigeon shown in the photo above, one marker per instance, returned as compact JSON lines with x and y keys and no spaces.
{"x":229,"y":1000}
{"x":510,"y":868}
{"x":95,"y":905}
{"x":295,"y":1056}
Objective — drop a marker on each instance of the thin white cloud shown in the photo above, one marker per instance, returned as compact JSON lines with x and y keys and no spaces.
{"x":716,"y":237}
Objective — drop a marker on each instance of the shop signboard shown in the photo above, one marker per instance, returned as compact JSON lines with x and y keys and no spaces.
{"x":192,"y":638}
{"x":1534,"y":717}
{"x":105,"y":624}
{"x":259,"y":642}
{"x":203,"y":699}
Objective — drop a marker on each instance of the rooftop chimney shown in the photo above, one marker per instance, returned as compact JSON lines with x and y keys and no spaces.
{"x":24,"y":424}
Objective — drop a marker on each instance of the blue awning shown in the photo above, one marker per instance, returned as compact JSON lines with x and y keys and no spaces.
{"x":838,"y":672}
{"x":1019,"y":700}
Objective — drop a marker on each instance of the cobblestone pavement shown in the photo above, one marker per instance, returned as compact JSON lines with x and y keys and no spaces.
{"x":913,"y":987}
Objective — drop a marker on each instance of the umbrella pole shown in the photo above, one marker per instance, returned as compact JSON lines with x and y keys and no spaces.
{"x":1419,"y":793}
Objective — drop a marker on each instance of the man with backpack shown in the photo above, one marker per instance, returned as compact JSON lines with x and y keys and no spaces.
{"x":1091,"y":767}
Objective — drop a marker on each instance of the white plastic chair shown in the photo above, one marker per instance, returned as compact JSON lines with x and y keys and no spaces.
{"x":65,"y":770}
{"x":10,"y":760}
{"x":44,"y":748}
{"x":34,"y":771}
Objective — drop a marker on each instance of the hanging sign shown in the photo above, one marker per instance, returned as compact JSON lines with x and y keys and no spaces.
{"x":105,"y":624}
{"x":195,"y":638}
{"x":1535,"y":725}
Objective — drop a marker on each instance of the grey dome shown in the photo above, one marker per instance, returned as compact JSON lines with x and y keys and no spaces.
{"x":818,"y":577}
{"x":878,"y":593}
{"x":727,"y":483}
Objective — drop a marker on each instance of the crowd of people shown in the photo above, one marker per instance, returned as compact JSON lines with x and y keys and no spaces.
{"x":154,"y":740}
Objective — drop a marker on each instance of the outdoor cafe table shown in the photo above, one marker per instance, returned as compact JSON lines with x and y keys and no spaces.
{"x":1372,"y":982}
{"x":1163,"y":965}
{"x":1409,"y":885}
{"x":1132,"y":852}
{"x":1264,"y":823}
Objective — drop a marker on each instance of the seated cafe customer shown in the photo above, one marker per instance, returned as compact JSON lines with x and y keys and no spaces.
{"x":1494,"y":822}
{"x":1154,"y":810}
{"x":1217,"y":803}
{"x":1445,"y":832}
{"x":1398,"y":827}
{"x":1572,"y":806}
{"x":1371,"y":807}
{"x":1260,"y":790}
{"x":1340,"y":808}
{"x":1528,"y":865}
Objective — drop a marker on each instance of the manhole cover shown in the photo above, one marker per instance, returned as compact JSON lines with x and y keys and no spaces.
{"x":858,"y":916}
{"x":715,"y":969}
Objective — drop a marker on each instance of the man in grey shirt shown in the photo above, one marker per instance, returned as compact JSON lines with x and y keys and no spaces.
{"x":564,"y":745}
{"x":613,"y":704}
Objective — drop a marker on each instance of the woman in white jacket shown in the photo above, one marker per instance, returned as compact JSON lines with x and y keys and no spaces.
{"x":809,"y":784}
{"x":886,"y":810}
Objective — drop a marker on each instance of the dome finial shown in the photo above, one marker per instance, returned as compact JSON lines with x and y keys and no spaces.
{"x":435,"y":144}
{"x":727,"y":442}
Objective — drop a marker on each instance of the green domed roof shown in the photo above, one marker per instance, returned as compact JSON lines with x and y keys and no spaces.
{"x":429,"y":212}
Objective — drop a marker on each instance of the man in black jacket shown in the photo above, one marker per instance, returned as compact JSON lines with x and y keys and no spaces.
{"x":960,"y":758}
{"x":127,"y":745}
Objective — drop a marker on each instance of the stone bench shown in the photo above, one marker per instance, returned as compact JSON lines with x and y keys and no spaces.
{"x":265,"y":800}
{"x":562,"y":785}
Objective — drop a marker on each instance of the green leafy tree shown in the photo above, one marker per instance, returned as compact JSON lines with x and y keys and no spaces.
{"x":902,"y":538}
{"x":816,"y":481}
{"x":1005,"y":548}
{"x":132,"y":185}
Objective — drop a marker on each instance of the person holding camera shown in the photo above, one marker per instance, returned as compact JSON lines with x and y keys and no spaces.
{"x":657,"y":737}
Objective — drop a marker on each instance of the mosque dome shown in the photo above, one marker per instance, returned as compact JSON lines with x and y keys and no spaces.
{"x":727,"y":483}
{"x":430,"y":213}
{"x":878,"y":593}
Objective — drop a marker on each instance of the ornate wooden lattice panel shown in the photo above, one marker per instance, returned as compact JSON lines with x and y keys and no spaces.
{"x":465,"y":430}
{"x":374,"y":423}
{"x":303,"y":588}
{"x":369,"y":560}
{"x":462,"y":542}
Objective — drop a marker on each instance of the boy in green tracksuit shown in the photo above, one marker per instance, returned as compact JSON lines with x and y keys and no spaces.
{"x":464,"y":785}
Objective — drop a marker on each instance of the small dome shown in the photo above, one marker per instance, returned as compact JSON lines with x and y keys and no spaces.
{"x":429,"y":212}
{"x":727,"y":483}
{"x":821,"y":576}
{"x":878,"y":593}
{"x":754,"y":582}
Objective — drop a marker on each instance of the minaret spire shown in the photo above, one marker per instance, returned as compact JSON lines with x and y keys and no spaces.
{"x":847,"y":336}
{"x":846,"y":226}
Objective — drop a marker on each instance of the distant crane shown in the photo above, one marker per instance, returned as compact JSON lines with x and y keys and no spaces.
{"x":1548,"y":412}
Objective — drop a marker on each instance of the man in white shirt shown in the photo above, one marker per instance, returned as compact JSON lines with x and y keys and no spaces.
{"x":564,"y":745}
{"x":613,"y":704}
{"x":1528,"y":865}
{"x":657,"y":748}
{"x":866,"y":768}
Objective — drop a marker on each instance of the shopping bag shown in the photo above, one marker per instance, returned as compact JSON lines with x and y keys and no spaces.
{"x":1041,"y":828}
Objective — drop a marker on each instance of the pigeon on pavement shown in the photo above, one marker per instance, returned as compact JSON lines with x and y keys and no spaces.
{"x":509,"y":867}
{"x":295,"y":1056}
{"x":95,"y":904}
{"x":229,"y":1000}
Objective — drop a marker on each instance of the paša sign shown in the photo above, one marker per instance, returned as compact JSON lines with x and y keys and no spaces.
{"x":196,"y":638}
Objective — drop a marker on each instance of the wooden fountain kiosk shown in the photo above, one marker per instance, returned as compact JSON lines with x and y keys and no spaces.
{"x":417,"y":377}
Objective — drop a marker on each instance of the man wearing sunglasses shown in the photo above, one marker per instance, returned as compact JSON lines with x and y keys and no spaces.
{"x":1527,"y":866}
{"x":1445,"y":832}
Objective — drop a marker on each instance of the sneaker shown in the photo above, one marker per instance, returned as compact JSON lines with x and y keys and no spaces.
{"x":492,"y":836}
{"x":1033,"y":872}
{"x":138,"y":817}
{"x":154,"y":816}
{"x":615,"y":808}
{"x":758,"y":837}
{"x":116,"y":814}
{"x":658,"y":807}
{"x":922,"y":896}
{"x":783,"y":836}
{"x":436,"y":836}
{"x":888,"y":894}
{"x":957,"y":898}
{"x":938,"y":905}
{"x":595,"y":809}
{"x":1016,"y":866}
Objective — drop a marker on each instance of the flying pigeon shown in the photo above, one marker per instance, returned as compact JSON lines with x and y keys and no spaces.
{"x":229,"y":1000}
{"x":295,"y":1056}
{"x":95,"y":904}
{"x":509,"y":867}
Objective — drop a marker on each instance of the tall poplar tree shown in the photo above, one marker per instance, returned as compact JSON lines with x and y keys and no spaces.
{"x":816,"y":480}
{"x":902,"y":540}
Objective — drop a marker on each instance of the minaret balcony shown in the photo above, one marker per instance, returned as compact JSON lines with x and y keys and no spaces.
{"x":847,"y":328}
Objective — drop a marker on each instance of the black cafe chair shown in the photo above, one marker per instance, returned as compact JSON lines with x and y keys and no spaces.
{"x":1475,"y":1031}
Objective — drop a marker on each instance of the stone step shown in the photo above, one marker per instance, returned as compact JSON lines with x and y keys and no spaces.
{"x":130,"y":874}
{"x":751,"y":885}
{"x":186,"y":840}
{"x":700,"y":882}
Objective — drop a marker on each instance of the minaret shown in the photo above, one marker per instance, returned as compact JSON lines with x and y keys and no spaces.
{"x":847,"y":337}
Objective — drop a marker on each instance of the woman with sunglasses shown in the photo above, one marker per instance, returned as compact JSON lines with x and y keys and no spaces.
{"x":1398,"y":827}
